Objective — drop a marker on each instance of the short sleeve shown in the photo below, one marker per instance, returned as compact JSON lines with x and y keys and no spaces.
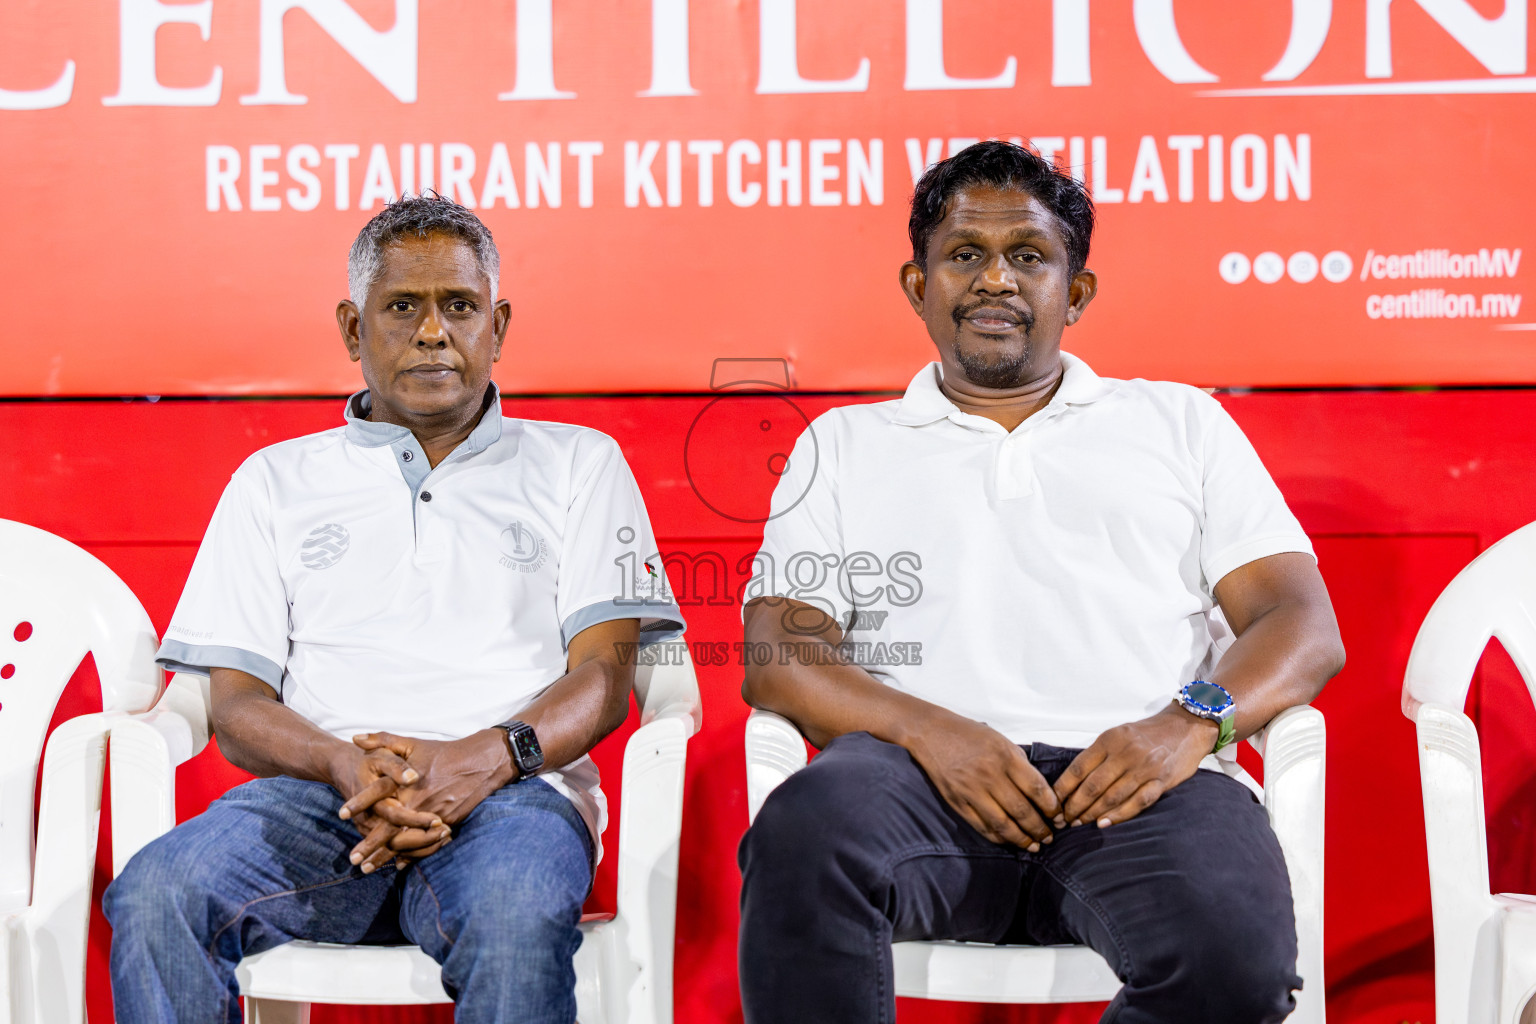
{"x":802,"y":548}
{"x":233,"y":612}
{"x":1246,"y":518}
{"x":610,"y":566}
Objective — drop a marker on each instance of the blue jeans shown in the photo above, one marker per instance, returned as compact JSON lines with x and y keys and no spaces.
{"x":267,"y":863}
{"x":1189,"y":902}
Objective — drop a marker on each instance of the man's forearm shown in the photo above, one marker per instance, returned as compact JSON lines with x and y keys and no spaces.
{"x":582,"y":707}
{"x":827,"y":698}
{"x":1282,"y":660}
{"x":1287,"y":643}
{"x":569,"y":718}
{"x":265,"y":737}
{"x":592,"y":698}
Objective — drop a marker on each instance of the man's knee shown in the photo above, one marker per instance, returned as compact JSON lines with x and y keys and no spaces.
{"x":538,"y":923}
{"x":162,"y":883}
{"x":825,"y":818}
{"x":522,"y":918}
{"x":527,"y":898}
{"x":1256,"y":963}
{"x":1236,"y":961}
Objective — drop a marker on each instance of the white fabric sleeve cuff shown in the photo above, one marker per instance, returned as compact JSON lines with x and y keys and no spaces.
{"x":1253,"y":549}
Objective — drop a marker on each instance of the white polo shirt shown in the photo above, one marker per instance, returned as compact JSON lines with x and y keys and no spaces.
{"x":374,"y":592}
{"x":1052,"y":582}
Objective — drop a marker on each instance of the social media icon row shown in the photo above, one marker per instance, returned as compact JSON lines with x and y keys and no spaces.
{"x":1269,"y":267}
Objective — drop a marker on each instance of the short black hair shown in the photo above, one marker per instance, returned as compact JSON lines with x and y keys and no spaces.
{"x":418,"y":216}
{"x":1006,"y":166}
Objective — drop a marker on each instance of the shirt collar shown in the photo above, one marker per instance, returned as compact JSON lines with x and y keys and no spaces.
{"x":366,"y":433}
{"x":925,"y":403}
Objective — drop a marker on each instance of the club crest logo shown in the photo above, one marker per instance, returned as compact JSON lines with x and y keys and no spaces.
{"x":522,"y":548}
{"x":325,"y":546}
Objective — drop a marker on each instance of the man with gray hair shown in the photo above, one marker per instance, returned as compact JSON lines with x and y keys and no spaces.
{"x":415,"y":633}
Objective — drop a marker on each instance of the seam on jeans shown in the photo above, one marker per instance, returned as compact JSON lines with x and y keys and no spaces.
{"x":438,"y":917}
{"x":1098,"y":911}
{"x":248,"y":904}
{"x":883,"y":949}
{"x":936,"y":849}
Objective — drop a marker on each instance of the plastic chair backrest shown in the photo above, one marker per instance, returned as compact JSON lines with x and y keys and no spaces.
{"x":1494,"y":597}
{"x":57,"y":602}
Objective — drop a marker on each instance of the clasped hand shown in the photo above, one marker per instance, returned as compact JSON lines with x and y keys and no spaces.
{"x":405,"y":794}
{"x":990,"y":782}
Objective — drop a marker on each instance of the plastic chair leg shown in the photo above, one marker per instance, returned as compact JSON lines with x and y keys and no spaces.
{"x":274,"y":1011}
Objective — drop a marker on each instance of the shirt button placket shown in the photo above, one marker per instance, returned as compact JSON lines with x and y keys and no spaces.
{"x":1012,"y":467}
{"x":1024,"y":466}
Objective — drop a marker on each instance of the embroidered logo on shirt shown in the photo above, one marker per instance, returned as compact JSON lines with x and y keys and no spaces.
{"x":325,"y":546}
{"x":522,"y":548}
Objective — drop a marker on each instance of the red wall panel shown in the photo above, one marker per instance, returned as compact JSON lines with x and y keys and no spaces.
{"x":1399,"y":490}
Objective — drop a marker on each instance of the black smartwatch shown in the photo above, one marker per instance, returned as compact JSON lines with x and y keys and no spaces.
{"x":526,"y":752}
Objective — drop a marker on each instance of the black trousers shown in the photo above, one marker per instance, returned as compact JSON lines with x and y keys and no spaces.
{"x":1189,"y":902}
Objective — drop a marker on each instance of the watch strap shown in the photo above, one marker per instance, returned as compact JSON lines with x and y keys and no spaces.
{"x":1227,"y":733}
{"x":1225,"y":717}
{"x":506,"y":737}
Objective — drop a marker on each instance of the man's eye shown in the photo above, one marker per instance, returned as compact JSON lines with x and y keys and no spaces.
{"x":400,"y":306}
{"x":965,"y":257}
{"x":1028,"y":257}
{"x":459,"y":306}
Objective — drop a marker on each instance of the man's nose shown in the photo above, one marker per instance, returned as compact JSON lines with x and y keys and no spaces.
{"x":997,"y":277}
{"x":432,"y":332}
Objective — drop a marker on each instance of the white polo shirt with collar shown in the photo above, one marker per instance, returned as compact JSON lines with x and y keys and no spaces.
{"x":1052,"y":582}
{"x":374,"y":592}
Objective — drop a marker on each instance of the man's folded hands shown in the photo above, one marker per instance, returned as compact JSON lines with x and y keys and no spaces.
{"x":406,"y":794}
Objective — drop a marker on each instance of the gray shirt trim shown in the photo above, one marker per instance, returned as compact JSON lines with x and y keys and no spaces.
{"x":364,"y":432}
{"x":410,"y":457}
{"x":659,"y":621}
{"x":180,"y":657}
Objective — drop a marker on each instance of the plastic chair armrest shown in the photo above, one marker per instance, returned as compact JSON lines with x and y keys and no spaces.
{"x":187,"y":697}
{"x":58,"y":919}
{"x":145,"y":751}
{"x":8,"y":986}
{"x":669,"y":687}
{"x":1294,"y":745}
{"x":650,"y":835}
{"x":1295,"y":780}
{"x":1451,"y":775}
{"x":775,"y":751}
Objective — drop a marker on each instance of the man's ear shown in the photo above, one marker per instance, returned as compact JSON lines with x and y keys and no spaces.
{"x":914,"y":283}
{"x":501,"y":316}
{"x":1084,"y":287}
{"x":350,"y":323}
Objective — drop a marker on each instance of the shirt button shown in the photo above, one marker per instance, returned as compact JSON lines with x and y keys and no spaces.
{"x":407,"y":456}
{"x":426,"y":495}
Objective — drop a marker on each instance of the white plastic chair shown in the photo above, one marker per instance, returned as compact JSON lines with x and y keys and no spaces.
{"x":624,"y":965}
{"x":1485,"y":944}
{"x":1293,"y":749}
{"x":74,"y":605}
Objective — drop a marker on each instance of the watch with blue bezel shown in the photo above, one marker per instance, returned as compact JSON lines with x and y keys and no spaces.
{"x":1214,"y":703}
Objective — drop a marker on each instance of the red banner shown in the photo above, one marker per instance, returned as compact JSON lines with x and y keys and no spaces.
{"x":1304,"y":194}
